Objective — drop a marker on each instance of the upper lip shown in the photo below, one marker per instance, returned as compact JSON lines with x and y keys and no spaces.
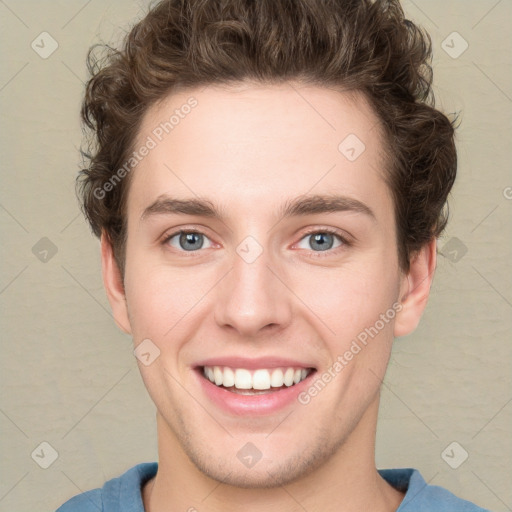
{"x":253,"y":363}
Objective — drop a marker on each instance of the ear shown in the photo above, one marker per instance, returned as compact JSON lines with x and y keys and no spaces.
{"x":415,"y":289}
{"x":114,"y":287}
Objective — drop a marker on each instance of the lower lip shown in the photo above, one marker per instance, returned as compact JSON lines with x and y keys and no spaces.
{"x":251,"y":405}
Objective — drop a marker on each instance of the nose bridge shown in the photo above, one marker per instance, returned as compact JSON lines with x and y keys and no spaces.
{"x":251,"y":298}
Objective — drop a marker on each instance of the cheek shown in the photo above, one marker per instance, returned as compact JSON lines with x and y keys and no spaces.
{"x":151,"y":299}
{"x":358,"y":305}
{"x":161,"y":299}
{"x":349,"y":298}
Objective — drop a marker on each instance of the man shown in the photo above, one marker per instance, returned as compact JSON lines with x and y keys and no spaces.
{"x":268,"y":181}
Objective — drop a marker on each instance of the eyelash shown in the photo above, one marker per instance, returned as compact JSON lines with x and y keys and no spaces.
{"x":188,"y":254}
{"x":323,"y":254}
{"x":316,"y":254}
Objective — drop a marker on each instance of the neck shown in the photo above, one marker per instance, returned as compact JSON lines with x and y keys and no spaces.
{"x":348,"y":481}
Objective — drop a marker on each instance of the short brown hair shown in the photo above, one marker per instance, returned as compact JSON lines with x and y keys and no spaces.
{"x":359,"y":45}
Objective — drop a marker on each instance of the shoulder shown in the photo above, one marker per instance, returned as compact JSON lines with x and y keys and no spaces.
{"x":119,"y":494}
{"x":422,"y":497}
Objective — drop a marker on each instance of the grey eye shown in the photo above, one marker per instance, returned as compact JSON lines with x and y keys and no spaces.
{"x":188,"y":241}
{"x":321,"y":241}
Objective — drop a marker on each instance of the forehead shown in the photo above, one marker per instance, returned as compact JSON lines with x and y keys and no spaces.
{"x":249,"y":146}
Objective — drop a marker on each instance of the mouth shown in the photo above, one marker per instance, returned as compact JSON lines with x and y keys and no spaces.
{"x":259,"y":381}
{"x":249,"y":387}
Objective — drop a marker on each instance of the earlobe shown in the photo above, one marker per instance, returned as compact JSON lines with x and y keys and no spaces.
{"x":113,"y":283}
{"x":415,"y":289}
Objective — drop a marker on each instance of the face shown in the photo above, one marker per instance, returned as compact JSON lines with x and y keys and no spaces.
{"x":261,"y":254}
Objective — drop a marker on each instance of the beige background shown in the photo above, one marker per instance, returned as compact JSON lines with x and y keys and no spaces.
{"x":68,"y":375}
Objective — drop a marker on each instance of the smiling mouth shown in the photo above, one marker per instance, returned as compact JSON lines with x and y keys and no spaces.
{"x":254,"y":382}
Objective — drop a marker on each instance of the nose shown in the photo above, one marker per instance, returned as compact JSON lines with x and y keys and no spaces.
{"x":251,"y":299}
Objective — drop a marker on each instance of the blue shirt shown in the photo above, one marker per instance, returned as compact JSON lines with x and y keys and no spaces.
{"x":123,"y":494}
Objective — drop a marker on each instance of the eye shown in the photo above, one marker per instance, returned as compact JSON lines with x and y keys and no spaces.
{"x":189,"y":241}
{"x":322,"y":240}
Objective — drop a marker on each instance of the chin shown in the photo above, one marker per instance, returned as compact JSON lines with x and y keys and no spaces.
{"x":266,"y":473}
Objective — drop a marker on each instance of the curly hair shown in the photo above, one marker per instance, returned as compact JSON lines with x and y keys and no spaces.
{"x":360,"y":45}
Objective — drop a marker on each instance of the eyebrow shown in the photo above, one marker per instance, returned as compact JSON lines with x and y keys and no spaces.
{"x":300,"y":206}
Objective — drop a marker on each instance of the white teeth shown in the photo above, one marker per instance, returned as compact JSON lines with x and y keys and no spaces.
{"x":288,"y":377}
{"x":261,"y":379}
{"x":218,"y":375}
{"x":277,"y":379}
{"x":229,"y":378}
{"x":243,"y":379}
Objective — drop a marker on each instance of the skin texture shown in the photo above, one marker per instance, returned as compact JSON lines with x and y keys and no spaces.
{"x":248,"y":149}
